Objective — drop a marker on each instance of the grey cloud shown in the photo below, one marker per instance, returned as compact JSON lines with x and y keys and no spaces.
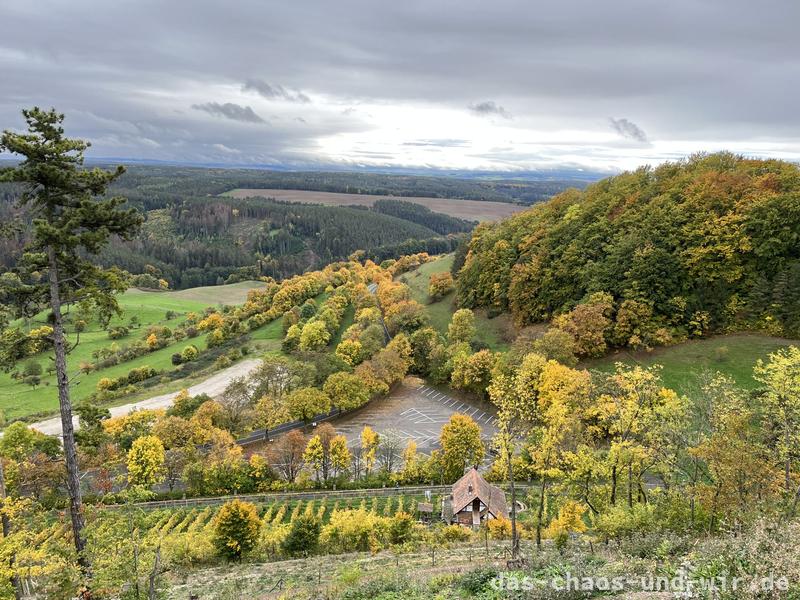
{"x":489,"y":108}
{"x":274,"y":92}
{"x":230,"y":110}
{"x":693,"y":72}
{"x":628,"y":129}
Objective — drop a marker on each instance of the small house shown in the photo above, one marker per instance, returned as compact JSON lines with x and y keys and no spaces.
{"x":474,"y":501}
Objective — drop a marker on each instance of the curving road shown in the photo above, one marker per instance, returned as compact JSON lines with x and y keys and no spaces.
{"x":213,"y":386}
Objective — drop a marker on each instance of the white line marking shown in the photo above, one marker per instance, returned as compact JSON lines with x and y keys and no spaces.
{"x":472,"y":414}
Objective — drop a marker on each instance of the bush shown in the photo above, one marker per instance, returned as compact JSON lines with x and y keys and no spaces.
{"x":32,"y":369}
{"x":303,"y":538}
{"x":499,"y":529}
{"x":236,"y":529}
{"x":116,"y":333}
{"x":475,"y":582}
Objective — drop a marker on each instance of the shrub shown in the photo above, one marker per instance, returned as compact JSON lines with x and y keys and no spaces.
{"x":189,"y":353}
{"x":116,"y":333}
{"x":401,"y":528}
{"x":453,"y":533}
{"x":32,"y":369}
{"x":475,"y":582}
{"x":236,"y":529}
{"x":303,"y":538}
{"x":499,"y":529}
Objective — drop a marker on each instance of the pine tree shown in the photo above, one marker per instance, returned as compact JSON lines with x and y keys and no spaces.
{"x":72,"y":221}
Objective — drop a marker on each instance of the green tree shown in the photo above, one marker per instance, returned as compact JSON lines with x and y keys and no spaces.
{"x":346,"y":391}
{"x":315,"y":336}
{"x":307,"y":402}
{"x":303,"y":537}
{"x":236,"y":529}
{"x":72,"y":221}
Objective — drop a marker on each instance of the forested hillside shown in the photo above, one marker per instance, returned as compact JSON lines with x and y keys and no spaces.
{"x":652,"y":256}
{"x":203,"y":241}
{"x":158,"y":182}
{"x":191,"y":237}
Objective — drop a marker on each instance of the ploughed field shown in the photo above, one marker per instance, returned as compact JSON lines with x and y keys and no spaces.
{"x":471,"y":210}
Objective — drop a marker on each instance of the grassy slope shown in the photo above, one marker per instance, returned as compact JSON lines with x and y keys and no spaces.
{"x":732,"y":355}
{"x":494,"y":333}
{"x":18,"y":399}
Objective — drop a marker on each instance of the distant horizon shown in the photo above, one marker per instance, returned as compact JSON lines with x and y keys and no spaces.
{"x":554,"y":173}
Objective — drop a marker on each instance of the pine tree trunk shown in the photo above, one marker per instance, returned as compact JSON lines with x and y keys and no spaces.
{"x":70,"y":449}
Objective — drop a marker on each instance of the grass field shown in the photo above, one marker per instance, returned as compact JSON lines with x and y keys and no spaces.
{"x":496,"y":333}
{"x":472,"y":210}
{"x":732,"y":355}
{"x":19,"y":400}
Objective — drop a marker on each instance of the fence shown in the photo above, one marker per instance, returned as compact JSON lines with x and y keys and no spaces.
{"x":310,"y":495}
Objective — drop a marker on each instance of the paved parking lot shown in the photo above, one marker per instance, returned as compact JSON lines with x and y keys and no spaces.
{"x":414,"y":411}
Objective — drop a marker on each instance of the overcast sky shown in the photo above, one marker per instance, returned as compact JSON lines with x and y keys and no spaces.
{"x":446,"y":84}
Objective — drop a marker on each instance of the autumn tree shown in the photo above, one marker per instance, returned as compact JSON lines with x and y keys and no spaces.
{"x":73,"y":220}
{"x":306,"y":403}
{"x":287,"y":454}
{"x":737,"y":473}
{"x":369,"y":447}
{"x":562,"y":396}
{"x":462,"y":446}
{"x":473,"y":373}
{"x":781,"y":377}
{"x":346,"y":391}
{"x":462,"y":327}
{"x":588,"y":324}
{"x":340,"y":455}
{"x":315,"y":336}
{"x":439,"y":285}
{"x":236,"y":529}
{"x":146,"y":461}
{"x":318,"y":452}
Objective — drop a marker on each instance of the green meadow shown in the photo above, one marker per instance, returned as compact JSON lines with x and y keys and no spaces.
{"x":18,"y":399}
{"x":685,"y":365}
{"x":497,"y":333}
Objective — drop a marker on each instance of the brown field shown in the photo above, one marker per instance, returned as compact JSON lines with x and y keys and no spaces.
{"x":472,"y":210}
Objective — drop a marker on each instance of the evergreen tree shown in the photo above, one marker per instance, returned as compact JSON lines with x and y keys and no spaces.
{"x":71,"y":223}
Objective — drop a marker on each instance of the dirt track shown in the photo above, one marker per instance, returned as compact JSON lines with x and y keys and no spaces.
{"x":213,"y":386}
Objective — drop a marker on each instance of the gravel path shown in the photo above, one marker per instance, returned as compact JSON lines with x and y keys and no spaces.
{"x":213,"y":386}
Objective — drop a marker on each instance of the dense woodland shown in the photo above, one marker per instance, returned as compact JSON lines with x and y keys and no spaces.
{"x":156,"y":183}
{"x":704,"y":245}
{"x":192,"y":237}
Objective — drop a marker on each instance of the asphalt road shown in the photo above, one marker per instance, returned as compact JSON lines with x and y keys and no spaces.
{"x":213,"y":386}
